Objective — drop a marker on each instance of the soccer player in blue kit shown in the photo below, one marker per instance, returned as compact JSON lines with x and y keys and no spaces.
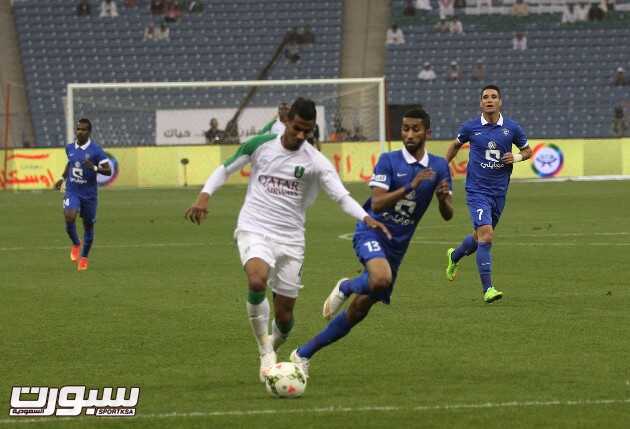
{"x":491,"y":137}
{"x":86,"y":160}
{"x":403,"y":186}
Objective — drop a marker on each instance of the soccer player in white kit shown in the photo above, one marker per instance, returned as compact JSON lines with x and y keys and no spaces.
{"x":285,"y":178}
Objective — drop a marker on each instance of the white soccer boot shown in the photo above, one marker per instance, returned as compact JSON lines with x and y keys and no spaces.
{"x":334,"y":301}
{"x":303,"y":363}
{"x":266,"y":362}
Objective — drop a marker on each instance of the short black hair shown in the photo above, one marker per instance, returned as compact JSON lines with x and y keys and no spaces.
{"x":419,"y":113}
{"x":304,"y":108}
{"x":85,"y":121}
{"x":496,"y":88}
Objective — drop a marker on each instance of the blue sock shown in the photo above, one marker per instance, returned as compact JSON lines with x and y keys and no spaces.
{"x":71,"y":229}
{"x":357,"y":285}
{"x":484,"y":265}
{"x":468,"y":247}
{"x":336,"y":329}
{"x":88,"y":238}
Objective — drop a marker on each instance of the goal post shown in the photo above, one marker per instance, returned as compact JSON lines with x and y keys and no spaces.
{"x":172,"y":113}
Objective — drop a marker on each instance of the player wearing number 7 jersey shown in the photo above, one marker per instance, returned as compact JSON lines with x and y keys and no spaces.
{"x":403,"y":186}
{"x":491,"y":137}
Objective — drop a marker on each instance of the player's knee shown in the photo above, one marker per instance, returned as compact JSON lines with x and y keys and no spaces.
{"x":257,"y":283}
{"x":284,"y":316}
{"x":486,"y":237}
{"x":70,"y":217}
{"x":380,"y":282}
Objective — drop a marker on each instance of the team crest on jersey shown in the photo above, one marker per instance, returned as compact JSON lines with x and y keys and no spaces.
{"x":298,"y":172}
{"x":506,"y":132}
{"x":492,"y":144}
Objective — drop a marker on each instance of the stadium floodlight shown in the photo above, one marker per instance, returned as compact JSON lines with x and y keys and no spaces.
{"x":172,"y":113}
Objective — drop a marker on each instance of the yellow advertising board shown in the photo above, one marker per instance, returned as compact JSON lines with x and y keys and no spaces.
{"x":175,"y":166}
{"x":31,"y":169}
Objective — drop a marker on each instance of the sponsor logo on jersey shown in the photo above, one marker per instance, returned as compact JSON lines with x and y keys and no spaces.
{"x":278,"y":186}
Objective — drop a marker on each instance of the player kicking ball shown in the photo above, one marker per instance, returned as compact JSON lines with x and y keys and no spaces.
{"x":285,"y":179}
{"x":86,"y":160}
{"x":403,"y":186}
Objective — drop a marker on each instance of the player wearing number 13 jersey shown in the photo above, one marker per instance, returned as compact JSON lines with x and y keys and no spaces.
{"x":403,"y":186}
{"x":491,"y":137}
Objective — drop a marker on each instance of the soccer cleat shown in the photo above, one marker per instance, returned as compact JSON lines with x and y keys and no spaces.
{"x":492,"y":295}
{"x":303,"y":363}
{"x":75,"y":251}
{"x":266,"y":362}
{"x":83,"y":264}
{"x":334,"y":301}
{"x":451,"y":268}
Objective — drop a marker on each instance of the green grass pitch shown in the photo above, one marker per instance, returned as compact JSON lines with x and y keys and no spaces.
{"x":163,"y":307}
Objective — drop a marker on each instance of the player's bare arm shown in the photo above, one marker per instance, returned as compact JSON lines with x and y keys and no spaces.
{"x":199,"y":210}
{"x":382,"y":199}
{"x":509,"y":158}
{"x":64,"y":175}
{"x":445,"y":200}
{"x":452,"y":150}
{"x":374,"y":224}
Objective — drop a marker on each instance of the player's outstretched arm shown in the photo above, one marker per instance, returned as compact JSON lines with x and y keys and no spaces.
{"x":452,"y":150}
{"x":199,"y":210}
{"x":510,"y":158}
{"x":382,"y":199}
{"x":350,"y":206}
{"x":445,"y":199}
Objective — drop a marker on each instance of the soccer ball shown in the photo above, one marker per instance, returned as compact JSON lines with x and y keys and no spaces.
{"x":285,"y":380}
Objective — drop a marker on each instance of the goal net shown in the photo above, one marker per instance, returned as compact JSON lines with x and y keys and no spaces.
{"x":180,"y":113}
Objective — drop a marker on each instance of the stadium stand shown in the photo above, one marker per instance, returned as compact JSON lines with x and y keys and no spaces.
{"x":560,"y":86}
{"x":227,"y":41}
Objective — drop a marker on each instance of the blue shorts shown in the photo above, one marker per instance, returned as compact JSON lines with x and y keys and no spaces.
{"x":85,"y":206}
{"x":484,"y":209}
{"x":373,"y":244}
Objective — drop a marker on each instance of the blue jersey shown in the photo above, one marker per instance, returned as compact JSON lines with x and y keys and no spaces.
{"x":81,"y":180}
{"x":488,"y":142}
{"x":395,"y":170}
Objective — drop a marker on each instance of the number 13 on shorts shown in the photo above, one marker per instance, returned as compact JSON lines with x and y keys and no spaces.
{"x":372,"y":246}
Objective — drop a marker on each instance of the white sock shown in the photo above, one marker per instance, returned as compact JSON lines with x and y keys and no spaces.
{"x":277,"y":337}
{"x":259,"y":320}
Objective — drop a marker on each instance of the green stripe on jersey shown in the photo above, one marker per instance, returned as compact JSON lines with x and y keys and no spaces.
{"x":268,"y":126}
{"x":249,"y":147}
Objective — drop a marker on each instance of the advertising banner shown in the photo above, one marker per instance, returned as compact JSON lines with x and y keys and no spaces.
{"x":177,"y":166}
{"x":187,"y":127}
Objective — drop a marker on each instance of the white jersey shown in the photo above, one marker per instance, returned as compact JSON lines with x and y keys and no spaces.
{"x":278,"y":128}
{"x":282,"y":185}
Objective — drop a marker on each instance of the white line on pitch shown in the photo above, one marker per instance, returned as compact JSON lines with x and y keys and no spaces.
{"x":339,"y":410}
{"x":106,"y":246}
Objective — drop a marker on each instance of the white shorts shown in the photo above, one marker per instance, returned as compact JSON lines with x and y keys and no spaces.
{"x":285,"y":276}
